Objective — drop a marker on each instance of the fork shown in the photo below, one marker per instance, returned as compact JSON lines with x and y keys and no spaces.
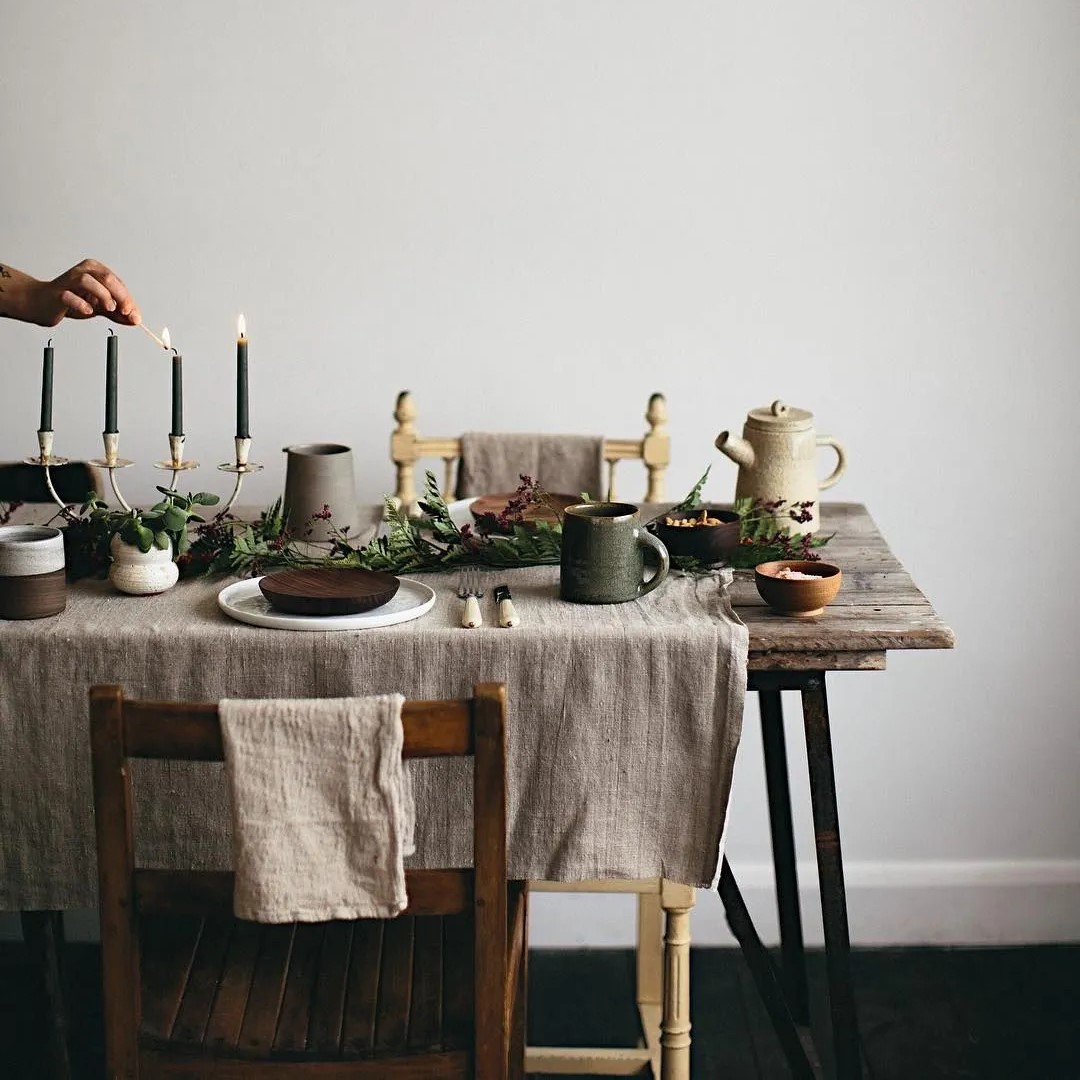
{"x":471,"y":590}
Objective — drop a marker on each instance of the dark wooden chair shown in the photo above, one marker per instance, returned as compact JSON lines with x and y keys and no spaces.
{"x":20,"y":482}
{"x":190,"y":990}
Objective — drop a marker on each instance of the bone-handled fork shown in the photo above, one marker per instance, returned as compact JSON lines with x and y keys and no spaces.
{"x":471,"y":590}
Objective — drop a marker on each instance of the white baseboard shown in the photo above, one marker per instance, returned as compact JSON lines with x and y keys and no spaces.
{"x":959,"y":902}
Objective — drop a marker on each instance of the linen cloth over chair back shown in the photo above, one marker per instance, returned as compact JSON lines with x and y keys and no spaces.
{"x":189,"y":989}
{"x":494,"y":463}
{"x":322,"y":807}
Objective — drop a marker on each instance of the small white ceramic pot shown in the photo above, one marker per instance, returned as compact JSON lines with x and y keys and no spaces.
{"x":141,"y":573}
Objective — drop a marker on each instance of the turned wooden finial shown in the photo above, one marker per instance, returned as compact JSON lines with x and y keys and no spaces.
{"x":657,"y":413}
{"x":405,"y":411}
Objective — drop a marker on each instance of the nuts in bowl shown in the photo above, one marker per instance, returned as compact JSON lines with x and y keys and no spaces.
{"x":706,"y":534}
{"x":796,"y":586}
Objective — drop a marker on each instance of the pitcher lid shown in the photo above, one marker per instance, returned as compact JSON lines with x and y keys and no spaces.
{"x":780,"y":417}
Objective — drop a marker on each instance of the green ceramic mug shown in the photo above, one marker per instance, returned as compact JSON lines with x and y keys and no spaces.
{"x":603,"y":554}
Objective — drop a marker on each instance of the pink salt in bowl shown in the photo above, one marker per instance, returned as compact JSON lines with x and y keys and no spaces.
{"x":805,"y":593}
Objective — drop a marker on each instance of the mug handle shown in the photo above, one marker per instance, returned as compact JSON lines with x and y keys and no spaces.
{"x":646,"y":539}
{"x":841,"y":461}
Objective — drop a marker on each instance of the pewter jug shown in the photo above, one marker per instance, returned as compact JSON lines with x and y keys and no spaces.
{"x":777,"y":459}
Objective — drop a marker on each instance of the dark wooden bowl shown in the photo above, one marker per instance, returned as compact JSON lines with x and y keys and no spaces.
{"x":327,"y":591}
{"x":707,"y":543}
{"x":493,"y":505}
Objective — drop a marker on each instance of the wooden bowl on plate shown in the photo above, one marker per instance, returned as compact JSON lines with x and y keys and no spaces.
{"x":493,"y":505}
{"x":328,"y":591}
{"x":707,"y":543}
{"x":798,"y":596}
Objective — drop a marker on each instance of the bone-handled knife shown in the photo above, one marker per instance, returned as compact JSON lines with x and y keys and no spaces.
{"x":507,"y":615}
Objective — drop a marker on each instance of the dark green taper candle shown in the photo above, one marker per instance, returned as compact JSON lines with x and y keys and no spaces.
{"x":46,"y":388}
{"x":111,"y":369}
{"x":177,"y":395}
{"x":242,"y":427}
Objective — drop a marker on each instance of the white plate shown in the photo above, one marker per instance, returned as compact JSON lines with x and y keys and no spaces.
{"x":459,"y":512}
{"x":244,"y":600}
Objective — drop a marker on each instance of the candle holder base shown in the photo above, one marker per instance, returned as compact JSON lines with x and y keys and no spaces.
{"x":234,"y":467}
{"x":176,"y":466}
{"x":116,"y":463}
{"x":47,"y":462}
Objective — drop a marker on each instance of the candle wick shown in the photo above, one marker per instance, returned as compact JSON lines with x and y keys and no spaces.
{"x":112,"y":332}
{"x":48,"y":344}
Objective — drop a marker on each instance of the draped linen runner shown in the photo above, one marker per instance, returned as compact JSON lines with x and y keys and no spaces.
{"x":322,"y":807}
{"x":623,"y":724}
{"x":492,"y":463}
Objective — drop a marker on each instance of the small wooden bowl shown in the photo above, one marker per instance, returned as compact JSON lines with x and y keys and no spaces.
{"x":327,"y":591}
{"x":707,"y":543}
{"x":799,"y":598}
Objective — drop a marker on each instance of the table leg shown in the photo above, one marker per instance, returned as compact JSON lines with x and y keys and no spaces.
{"x":797,"y":1047}
{"x":792,"y":954}
{"x":831,"y":876}
{"x":677,"y":902}
{"x":43,"y":934}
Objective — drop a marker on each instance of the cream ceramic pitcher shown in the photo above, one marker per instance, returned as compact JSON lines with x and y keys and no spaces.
{"x":777,"y":459}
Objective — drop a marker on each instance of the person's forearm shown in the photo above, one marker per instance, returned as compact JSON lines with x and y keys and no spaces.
{"x":16,"y":289}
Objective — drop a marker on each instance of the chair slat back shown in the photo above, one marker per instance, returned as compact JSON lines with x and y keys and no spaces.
{"x":121,"y":730}
{"x":192,"y":732}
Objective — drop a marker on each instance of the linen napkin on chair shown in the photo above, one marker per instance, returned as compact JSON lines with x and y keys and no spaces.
{"x":563,"y":464}
{"x":322,"y":807}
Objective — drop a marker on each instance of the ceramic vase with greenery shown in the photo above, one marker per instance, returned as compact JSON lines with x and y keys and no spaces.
{"x":144,"y":543}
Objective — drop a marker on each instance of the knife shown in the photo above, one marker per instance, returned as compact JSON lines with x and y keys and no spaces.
{"x":507,"y":615}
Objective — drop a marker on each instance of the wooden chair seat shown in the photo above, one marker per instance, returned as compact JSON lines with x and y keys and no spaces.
{"x":227,"y":988}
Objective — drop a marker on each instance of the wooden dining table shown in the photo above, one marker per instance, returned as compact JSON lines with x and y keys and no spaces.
{"x":879,"y":609}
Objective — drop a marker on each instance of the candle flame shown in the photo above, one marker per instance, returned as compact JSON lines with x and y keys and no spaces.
{"x":241,"y":327}
{"x":166,"y":341}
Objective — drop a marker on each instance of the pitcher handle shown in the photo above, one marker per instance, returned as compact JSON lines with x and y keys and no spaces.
{"x":646,"y":539}
{"x":841,"y":461}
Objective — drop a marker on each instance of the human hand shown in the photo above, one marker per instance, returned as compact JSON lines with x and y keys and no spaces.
{"x":89,"y":288}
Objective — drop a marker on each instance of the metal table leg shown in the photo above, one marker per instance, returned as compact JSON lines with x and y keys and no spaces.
{"x":831,"y":876}
{"x":797,"y":1047}
{"x":792,"y":954}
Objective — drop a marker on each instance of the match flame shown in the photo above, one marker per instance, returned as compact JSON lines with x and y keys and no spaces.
{"x":166,"y":341}
{"x":241,"y":327}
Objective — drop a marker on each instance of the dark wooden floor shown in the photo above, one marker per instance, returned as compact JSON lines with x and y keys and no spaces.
{"x":1012,"y":1014}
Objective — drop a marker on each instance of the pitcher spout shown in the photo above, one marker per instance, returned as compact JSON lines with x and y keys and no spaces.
{"x":739,"y":450}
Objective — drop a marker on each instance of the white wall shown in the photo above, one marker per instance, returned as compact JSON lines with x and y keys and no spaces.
{"x":533,"y":215}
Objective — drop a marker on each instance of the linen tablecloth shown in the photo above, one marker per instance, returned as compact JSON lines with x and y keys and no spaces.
{"x":623,"y":725}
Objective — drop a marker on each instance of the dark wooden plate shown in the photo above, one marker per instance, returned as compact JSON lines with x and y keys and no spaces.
{"x":326,"y":591}
{"x":495,"y":504}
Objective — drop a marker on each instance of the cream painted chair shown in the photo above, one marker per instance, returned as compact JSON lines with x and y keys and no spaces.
{"x":663,"y":920}
{"x":407,"y":447}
